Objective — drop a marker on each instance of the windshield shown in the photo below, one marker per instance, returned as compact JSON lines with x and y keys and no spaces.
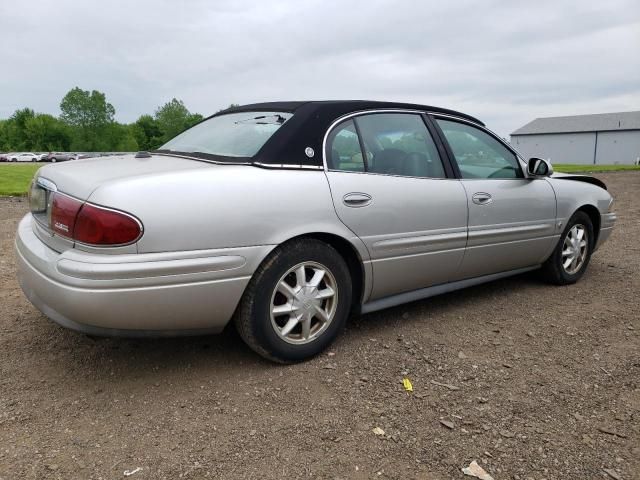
{"x":229,"y":135}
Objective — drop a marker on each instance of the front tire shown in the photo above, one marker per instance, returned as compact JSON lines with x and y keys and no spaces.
{"x":570,"y":258}
{"x":297,"y":301}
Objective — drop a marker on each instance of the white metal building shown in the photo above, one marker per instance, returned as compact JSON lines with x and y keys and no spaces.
{"x":604,"y":138}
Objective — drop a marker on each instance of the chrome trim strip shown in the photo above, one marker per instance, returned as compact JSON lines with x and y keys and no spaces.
{"x":46,"y":184}
{"x":484,"y":232}
{"x":119,"y":271}
{"x":418,"y":241}
{"x":286,"y":166}
{"x":423,"y":293}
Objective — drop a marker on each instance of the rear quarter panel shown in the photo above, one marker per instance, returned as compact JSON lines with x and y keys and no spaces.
{"x":226,"y":206}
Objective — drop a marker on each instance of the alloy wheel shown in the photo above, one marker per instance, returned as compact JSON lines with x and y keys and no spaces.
{"x":575,"y":249}
{"x":303,"y":303}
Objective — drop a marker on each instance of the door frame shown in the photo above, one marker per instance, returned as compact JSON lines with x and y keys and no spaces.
{"x":433,"y":116}
{"x":450,"y":166}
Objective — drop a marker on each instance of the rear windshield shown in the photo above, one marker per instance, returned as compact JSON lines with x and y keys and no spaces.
{"x":229,"y":135}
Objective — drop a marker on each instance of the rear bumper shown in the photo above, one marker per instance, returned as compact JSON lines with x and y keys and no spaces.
{"x":155,"y":294}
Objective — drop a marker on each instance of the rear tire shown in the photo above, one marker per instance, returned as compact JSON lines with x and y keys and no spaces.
{"x":570,"y":258}
{"x":296,"y":303}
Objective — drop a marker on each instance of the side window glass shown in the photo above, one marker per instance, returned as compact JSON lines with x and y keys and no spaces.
{"x":343,"y":149}
{"x":478,"y":154}
{"x":399,"y":144}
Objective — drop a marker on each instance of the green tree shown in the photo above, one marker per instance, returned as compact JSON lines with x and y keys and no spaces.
{"x":16,"y":129}
{"x":173,"y":118}
{"x":46,"y":133}
{"x":147,"y":132}
{"x":89,"y":114}
{"x":4,"y":141}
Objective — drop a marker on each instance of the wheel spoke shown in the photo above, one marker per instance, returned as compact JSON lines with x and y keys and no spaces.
{"x":285,"y":289}
{"x":582,"y":244}
{"x":318,"y":275}
{"x":306,"y":326}
{"x":327,"y":292}
{"x":574,"y":263}
{"x":290,"y":325}
{"x":568,"y":262}
{"x":301,"y":276}
{"x":283,"y":309}
{"x":321,"y":314}
{"x":566,"y":252}
{"x":579,"y":233}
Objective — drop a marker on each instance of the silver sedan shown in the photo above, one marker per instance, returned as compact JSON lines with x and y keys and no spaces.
{"x":288,"y":217}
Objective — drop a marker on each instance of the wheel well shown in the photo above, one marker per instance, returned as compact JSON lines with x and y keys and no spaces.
{"x":594,"y":216}
{"x":350,"y":255}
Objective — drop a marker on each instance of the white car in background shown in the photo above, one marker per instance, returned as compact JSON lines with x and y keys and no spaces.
{"x":23,"y":157}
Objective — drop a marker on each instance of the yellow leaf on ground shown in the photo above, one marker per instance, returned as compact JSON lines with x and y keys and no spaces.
{"x":407,"y":384}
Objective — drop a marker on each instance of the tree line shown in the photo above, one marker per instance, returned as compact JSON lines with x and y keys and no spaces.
{"x":87,"y":124}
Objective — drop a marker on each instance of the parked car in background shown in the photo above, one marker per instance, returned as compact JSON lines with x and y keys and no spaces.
{"x":23,"y":157}
{"x":289,"y":216}
{"x":4,"y":157}
{"x":59,"y":157}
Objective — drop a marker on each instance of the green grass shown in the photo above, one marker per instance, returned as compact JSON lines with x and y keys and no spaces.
{"x":566,"y":168}
{"x":15,"y":178}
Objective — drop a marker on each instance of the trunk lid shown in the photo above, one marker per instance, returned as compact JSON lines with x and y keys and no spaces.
{"x":79,"y":178}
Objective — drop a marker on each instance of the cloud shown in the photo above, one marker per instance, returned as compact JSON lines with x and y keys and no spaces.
{"x":503,"y":62}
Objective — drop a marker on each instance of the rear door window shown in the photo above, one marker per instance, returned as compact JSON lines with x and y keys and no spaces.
{"x":394,"y":144}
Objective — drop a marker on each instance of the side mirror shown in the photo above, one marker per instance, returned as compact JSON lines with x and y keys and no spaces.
{"x":539,"y":167}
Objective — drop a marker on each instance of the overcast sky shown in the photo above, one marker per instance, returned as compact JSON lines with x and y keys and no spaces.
{"x":497,"y":60}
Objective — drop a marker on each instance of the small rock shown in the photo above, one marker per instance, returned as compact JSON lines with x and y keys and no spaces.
{"x":446,"y":385}
{"x":461,"y":356}
{"x":612,"y":473}
{"x":475,"y":470}
{"x":378,"y":431}
{"x":331,"y":354}
{"x":330,"y":366}
{"x":447,"y":424}
{"x":507,"y":365}
{"x":507,"y":434}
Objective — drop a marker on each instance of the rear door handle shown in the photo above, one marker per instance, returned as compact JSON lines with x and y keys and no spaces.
{"x":356,"y":199}
{"x":481,"y":198}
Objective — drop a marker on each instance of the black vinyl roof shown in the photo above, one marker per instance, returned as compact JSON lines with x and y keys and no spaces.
{"x":350,"y":105}
{"x":308,"y":125}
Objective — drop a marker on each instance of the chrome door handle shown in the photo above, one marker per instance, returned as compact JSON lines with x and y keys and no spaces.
{"x":481,"y":198}
{"x":356,"y":199}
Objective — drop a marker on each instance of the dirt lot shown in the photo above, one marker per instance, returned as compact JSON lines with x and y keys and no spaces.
{"x":546,"y":384}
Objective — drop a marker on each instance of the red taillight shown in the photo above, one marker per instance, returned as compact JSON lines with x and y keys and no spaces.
{"x":99,"y":226}
{"x":63,"y":214}
{"x":91,"y":224}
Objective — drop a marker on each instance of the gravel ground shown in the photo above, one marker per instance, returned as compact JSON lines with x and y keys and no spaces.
{"x":543,"y":382}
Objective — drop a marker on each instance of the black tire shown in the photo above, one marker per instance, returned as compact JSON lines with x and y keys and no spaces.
{"x":553,"y":270}
{"x":253,"y":317}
